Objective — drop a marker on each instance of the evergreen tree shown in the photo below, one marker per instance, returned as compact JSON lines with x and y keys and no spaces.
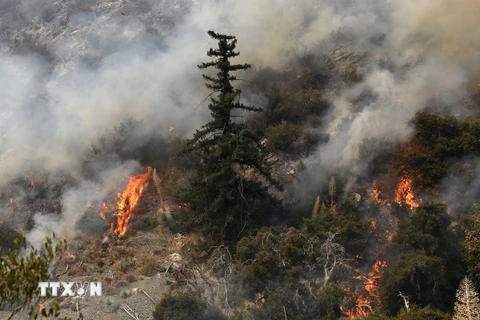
{"x":467,"y":306}
{"x":227,"y":188}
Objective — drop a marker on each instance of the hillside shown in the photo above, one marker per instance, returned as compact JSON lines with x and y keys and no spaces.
{"x":323,"y":163}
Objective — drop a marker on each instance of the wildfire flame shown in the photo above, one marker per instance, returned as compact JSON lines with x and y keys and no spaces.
{"x":128,"y":200}
{"x":103,"y":211}
{"x":360,"y":306}
{"x":171,"y":128}
{"x":404,"y":193}
{"x":31,"y":183}
{"x":376,"y":196}
{"x":371,"y":284}
{"x":370,"y":280}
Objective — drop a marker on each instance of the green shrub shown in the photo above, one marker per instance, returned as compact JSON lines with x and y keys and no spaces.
{"x":146,"y":223}
{"x":124,"y":267}
{"x":283,"y":135}
{"x":7,"y":237}
{"x":109,"y":305}
{"x":422,"y":314}
{"x":125,"y":293}
{"x":115,"y":254}
{"x":185,"y":307}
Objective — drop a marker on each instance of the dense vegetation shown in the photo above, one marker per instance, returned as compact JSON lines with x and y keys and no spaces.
{"x":302,"y":270}
{"x":185,"y":307}
{"x":275,"y":261}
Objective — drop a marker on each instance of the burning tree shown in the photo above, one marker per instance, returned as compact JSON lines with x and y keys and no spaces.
{"x":226,"y":187}
{"x":128,"y":200}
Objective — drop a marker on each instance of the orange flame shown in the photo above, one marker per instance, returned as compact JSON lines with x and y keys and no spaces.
{"x":359,"y":308}
{"x":171,"y":128}
{"x":376,"y":196}
{"x":371,"y":284}
{"x":128,"y":200}
{"x":31,"y":183}
{"x":404,"y":193}
{"x":103,"y":211}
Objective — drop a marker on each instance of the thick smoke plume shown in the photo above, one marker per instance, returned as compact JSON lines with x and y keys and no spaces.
{"x":69,"y":70}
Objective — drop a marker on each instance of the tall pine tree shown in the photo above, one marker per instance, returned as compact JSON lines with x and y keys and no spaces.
{"x":227,"y":190}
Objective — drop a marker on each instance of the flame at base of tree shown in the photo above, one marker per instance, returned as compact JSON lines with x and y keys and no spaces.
{"x":129,"y":199}
{"x":361,"y":303}
{"x":404,"y":193}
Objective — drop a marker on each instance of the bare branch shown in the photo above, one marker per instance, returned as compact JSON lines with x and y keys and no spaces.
{"x":406,"y":301}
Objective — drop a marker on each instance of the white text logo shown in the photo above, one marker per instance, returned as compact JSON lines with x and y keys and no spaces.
{"x":70,"y":289}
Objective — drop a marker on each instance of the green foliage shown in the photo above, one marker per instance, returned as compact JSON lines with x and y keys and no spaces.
{"x":185,"y":307}
{"x":283,"y":264}
{"x":20,"y":273}
{"x":283,"y":135}
{"x":293,"y":301}
{"x":350,"y":227}
{"x":124,"y":266}
{"x":415,"y":275}
{"x":225,"y":190}
{"x":416,"y":161}
{"x":426,"y":313}
{"x":428,"y":265}
{"x":115,"y":255}
{"x":125,"y":293}
{"x":8,"y":236}
{"x":424,"y":231}
{"x":438,"y":142}
{"x":145,"y":223}
{"x":110,"y":304}
{"x":415,"y":313}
